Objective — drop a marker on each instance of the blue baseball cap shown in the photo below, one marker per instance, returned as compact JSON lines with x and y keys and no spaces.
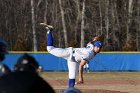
{"x":98,"y":43}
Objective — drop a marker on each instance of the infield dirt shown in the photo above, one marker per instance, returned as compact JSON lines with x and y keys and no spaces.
{"x":97,"y":82}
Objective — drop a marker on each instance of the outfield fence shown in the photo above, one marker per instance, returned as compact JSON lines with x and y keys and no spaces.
{"x":104,"y":61}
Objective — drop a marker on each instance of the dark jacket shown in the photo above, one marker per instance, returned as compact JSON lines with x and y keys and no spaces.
{"x":24,"y":82}
{"x":4,"y":69}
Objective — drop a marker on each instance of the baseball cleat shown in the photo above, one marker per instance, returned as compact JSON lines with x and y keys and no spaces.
{"x":48,"y":27}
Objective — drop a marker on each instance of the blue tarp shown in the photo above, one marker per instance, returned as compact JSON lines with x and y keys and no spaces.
{"x":101,"y":62}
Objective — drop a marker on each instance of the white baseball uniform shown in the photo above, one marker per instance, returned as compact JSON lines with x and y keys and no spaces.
{"x":73,"y":56}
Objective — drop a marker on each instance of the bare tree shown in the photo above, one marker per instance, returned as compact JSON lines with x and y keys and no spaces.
{"x":107,"y":19}
{"x":63,"y":23}
{"x":82,"y":24}
{"x":130,"y":11}
{"x":33,"y":26}
{"x":101,"y":20}
{"x":78,"y":18}
{"x":138,"y":26}
{"x":45,"y":14}
{"x":117,"y":20}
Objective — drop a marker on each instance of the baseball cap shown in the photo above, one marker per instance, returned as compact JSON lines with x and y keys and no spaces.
{"x":26,"y":63}
{"x":98,"y":43}
{"x":3,"y":46}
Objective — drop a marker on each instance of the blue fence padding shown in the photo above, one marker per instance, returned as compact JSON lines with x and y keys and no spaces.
{"x":47,"y":61}
{"x":101,"y":62}
{"x":116,"y":62}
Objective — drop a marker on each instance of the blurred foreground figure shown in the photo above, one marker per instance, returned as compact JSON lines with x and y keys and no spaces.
{"x":72,"y":90}
{"x":25,"y":78}
{"x":3,"y":51}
